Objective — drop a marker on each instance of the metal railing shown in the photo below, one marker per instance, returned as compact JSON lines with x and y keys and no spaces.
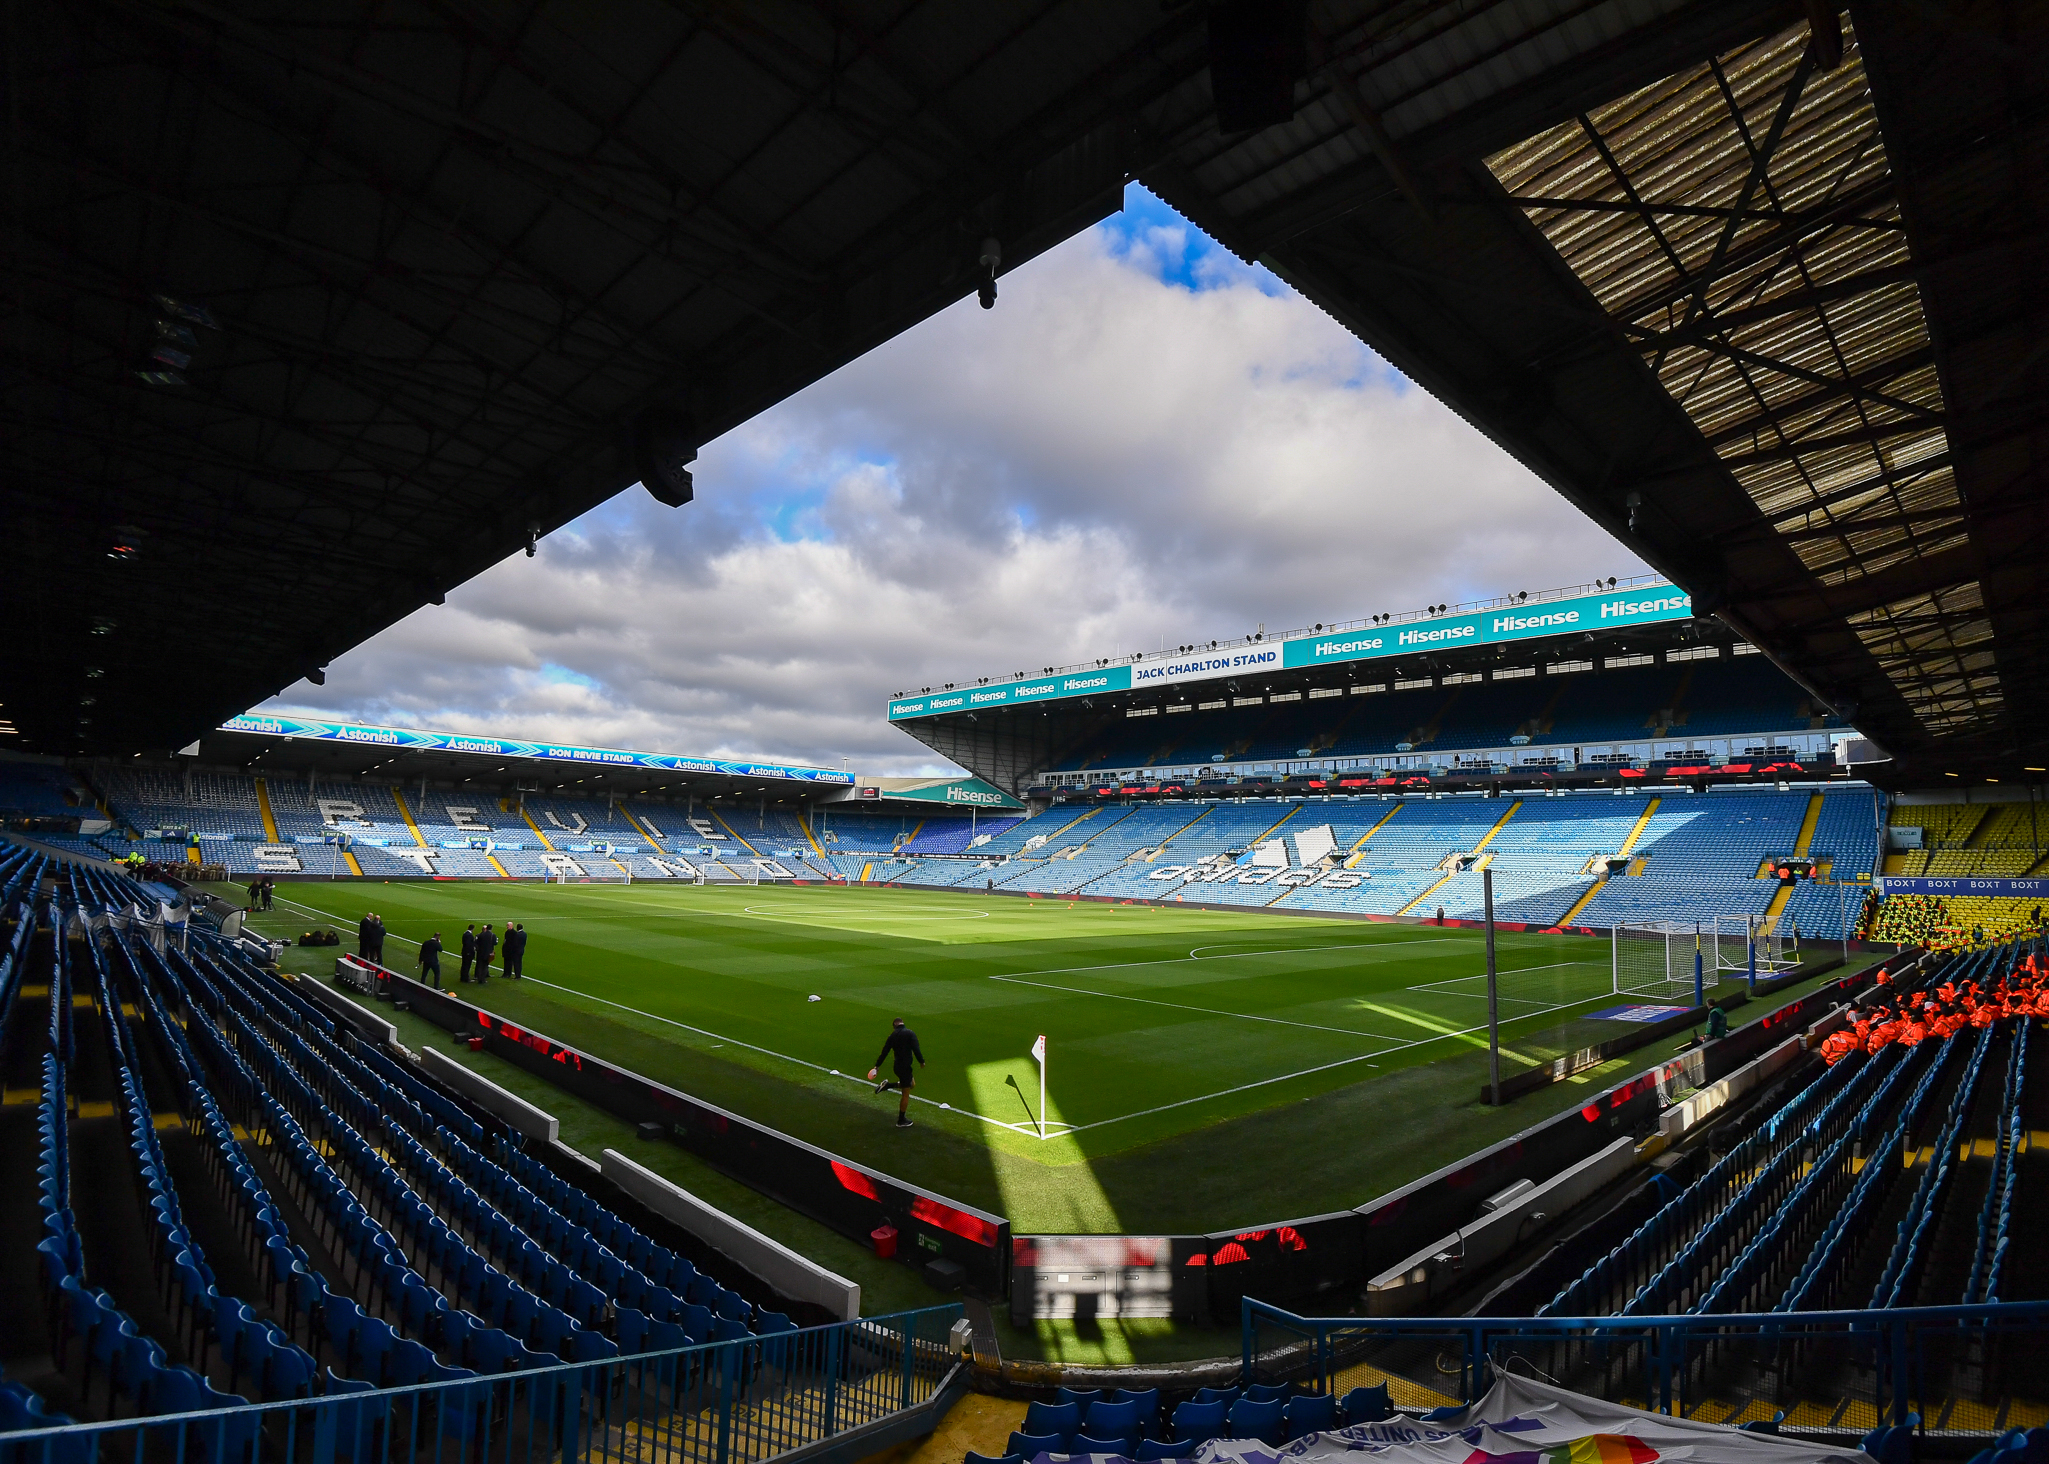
{"x":1961,"y":1369}
{"x":732,"y":1402}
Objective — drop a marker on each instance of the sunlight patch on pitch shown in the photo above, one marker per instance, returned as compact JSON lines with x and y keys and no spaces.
{"x":1429,"y":1024}
{"x":1018,"y":1107}
{"x":1074,"y":1202}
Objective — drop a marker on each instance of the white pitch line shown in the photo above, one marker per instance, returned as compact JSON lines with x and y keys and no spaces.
{"x":1512,"y":971}
{"x":1371,"y":945}
{"x":769,"y":1052}
{"x":1122,"y":965}
{"x":1022,"y":978}
{"x":1182,"y":960}
{"x":1429,"y":987}
{"x":1017,"y":1128}
{"x":1307,"y":1072}
{"x":1184,"y":1007}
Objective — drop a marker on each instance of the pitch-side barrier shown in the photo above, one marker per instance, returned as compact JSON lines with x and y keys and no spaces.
{"x":1194,"y":1277}
{"x":852,"y":1198}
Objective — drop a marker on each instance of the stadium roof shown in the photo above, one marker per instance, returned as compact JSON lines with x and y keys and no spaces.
{"x":1503,"y":622}
{"x":1755,"y":285}
{"x":277,"y":743}
{"x":1010,"y":740}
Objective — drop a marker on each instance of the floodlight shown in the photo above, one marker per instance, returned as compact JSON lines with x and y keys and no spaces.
{"x":992,"y":256}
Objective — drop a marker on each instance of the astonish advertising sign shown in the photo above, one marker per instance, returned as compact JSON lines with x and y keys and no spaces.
{"x":1648,"y":605}
{"x":266,"y":724}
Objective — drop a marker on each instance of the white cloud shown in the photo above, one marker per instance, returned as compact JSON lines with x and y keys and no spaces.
{"x":1144,"y":442}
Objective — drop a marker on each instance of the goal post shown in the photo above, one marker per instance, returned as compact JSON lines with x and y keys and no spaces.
{"x":564,"y":876}
{"x":1746,"y":943}
{"x":1656,"y":959}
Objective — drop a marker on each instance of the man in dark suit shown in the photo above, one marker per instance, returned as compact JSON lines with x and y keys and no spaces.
{"x":430,"y":960}
{"x":363,"y":941}
{"x":469,"y":948}
{"x":515,"y":952}
{"x":486,"y":943}
{"x":376,"y":937}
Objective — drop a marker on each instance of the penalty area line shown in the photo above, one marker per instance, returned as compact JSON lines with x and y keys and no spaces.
{"x":1310,"y":1072}
{"x":1184,"y":1007}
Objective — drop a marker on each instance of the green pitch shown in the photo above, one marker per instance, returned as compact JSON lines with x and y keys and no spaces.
{"x":1191,"y":1054}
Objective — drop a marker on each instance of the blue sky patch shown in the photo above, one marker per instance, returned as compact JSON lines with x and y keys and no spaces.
{"x":1151,"y":236}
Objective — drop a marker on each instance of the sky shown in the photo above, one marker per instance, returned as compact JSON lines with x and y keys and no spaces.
{"x":1147,"y":442}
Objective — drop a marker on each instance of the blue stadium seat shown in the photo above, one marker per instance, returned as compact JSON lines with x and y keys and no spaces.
{"x":1251,"y":1419}
{"x":1367,"y":1404}
{"x":1310,"y":1413}
{"x":1199,"y":1421}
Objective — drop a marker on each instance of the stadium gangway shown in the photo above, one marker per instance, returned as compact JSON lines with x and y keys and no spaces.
{"x":1818,"y":1273}
{"x":1910,"y":1248}
{"x":734,"y":1402}
{"x":1942,"y":1369}
{"x":1996,"y":1213}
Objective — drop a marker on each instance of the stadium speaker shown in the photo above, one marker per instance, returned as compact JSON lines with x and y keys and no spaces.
{"x":663,"y":447}
{"x":1258,"y":50}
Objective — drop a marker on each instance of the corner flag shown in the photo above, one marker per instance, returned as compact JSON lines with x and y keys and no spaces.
{"x":1039,"y":1051}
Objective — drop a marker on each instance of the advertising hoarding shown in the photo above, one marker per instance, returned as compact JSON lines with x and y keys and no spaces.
{"x":1650,"y":605}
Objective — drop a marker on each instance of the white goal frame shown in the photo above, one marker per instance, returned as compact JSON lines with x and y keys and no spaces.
{"x":563,"y":876}
{"x":1657,"y":958}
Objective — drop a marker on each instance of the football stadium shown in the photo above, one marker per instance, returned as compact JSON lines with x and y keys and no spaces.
{"x":1580,"y":1025}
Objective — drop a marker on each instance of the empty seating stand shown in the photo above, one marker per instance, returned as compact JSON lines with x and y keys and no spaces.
{"x":1701,"y":854}
{"x":1813,"y":1209}
{"x":278,"y":1211}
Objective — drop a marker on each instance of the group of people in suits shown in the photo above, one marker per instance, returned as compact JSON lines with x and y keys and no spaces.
{"x":478,"y":947}
{"x":370,"y":938}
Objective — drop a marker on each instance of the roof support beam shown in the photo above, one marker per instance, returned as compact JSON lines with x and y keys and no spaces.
{"x":1844,"y":527}
{"x":1921,"y":576}
{"x":1891,"y":477}
{"x":1795,"y":219}
{"x":1834,"y":388}
{"x":1799,"y":447}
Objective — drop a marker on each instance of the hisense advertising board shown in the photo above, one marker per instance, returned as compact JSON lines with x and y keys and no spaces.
{"x":1649,"y":605}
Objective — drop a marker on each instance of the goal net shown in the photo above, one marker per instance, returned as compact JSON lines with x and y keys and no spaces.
{"x":1737,"y":939}
{"x":564,"y":876}
{"x":1657,"y":960}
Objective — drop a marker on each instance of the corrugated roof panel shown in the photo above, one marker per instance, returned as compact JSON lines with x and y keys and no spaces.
{"x":1937,"y":648}
{"x":1737,"y":218}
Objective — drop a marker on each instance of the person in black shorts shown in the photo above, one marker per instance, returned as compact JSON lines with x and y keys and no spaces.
{"x":900,"y":1046}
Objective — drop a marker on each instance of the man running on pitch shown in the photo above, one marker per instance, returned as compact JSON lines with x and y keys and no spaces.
{"x":901,"y":1045}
